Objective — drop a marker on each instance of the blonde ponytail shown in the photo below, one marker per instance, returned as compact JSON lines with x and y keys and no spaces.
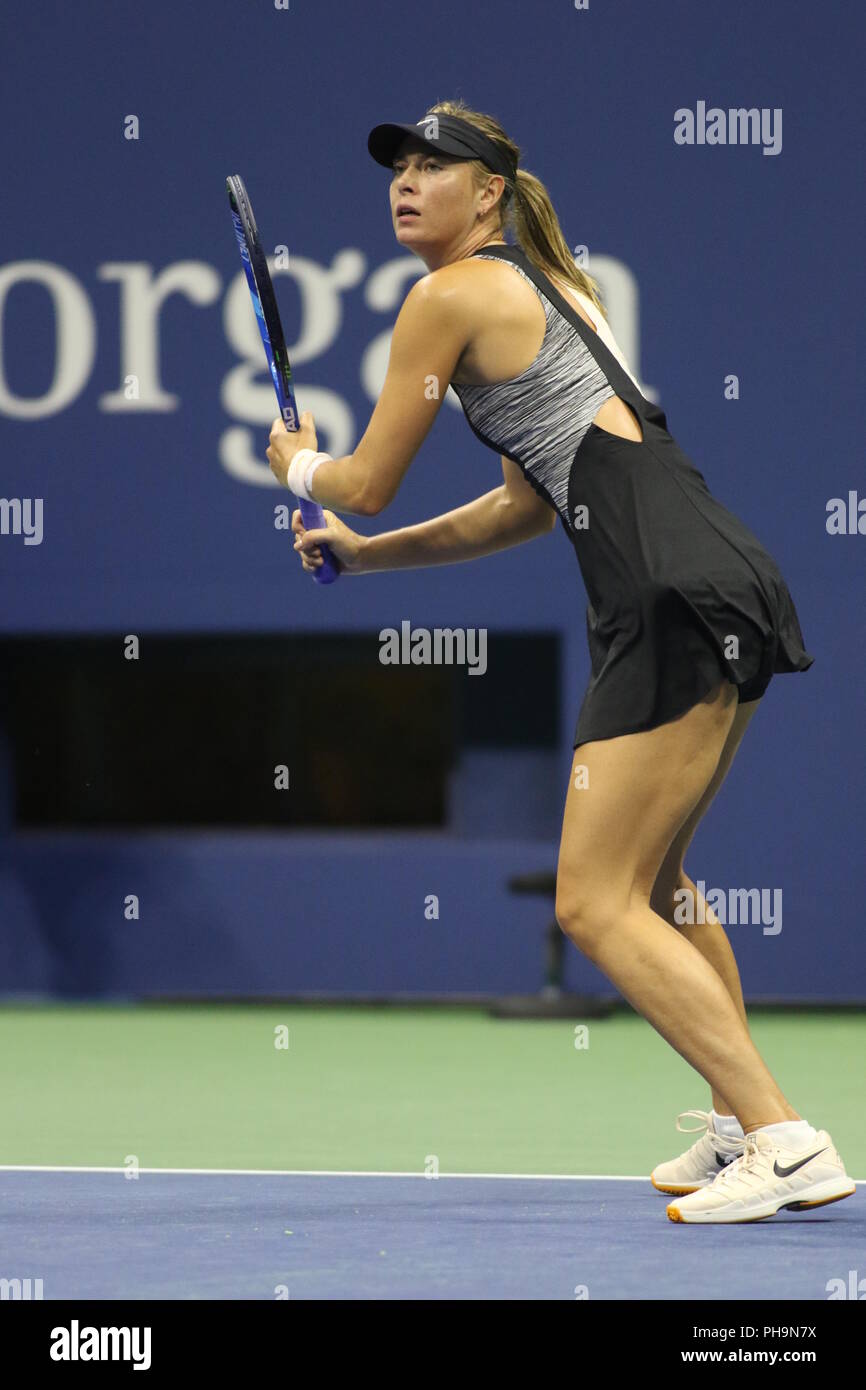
{"x":528,"y":213}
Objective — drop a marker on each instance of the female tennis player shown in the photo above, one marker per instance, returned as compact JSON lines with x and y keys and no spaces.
{"x":688,"y":615}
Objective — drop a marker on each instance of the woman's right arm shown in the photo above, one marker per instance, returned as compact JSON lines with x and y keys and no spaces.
{"x":507,"y":516}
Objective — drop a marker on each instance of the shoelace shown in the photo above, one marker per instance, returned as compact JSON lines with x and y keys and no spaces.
{"x":703,"y":1115}
{"x":747,"y":1158}
{"x":742,"y":1169}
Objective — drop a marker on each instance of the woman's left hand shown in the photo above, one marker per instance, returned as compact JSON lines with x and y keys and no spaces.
{"x":286,"y":443}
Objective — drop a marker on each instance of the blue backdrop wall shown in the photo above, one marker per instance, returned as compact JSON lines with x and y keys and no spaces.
{"x":134,"y":404}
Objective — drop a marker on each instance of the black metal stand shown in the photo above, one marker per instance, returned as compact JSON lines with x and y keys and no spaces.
{"x":552,"y":1001}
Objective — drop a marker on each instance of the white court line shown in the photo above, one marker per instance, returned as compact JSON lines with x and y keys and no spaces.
{"x":335,"y":1173}
{"x":317,"y":1173}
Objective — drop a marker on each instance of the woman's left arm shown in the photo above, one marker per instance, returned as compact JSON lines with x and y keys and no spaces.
{"x":432,"y":329}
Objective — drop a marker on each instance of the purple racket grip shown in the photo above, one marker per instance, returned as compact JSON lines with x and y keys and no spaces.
{"x":313,"y":518}
{"x":311,"y":513}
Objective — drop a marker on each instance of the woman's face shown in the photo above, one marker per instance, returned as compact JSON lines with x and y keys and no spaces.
{"x":440,"y":191}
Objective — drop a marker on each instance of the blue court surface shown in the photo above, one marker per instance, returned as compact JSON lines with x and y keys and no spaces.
{"x":232,"y":1235}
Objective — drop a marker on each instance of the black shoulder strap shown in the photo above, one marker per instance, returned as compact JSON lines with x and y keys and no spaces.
{"x":613,"y":370}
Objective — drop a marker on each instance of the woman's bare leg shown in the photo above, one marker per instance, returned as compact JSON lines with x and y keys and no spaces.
{"x":617,"y":833}
{"x":707,"y":935}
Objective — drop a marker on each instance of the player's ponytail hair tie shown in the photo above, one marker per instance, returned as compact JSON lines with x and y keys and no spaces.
{"x":301,"y":469}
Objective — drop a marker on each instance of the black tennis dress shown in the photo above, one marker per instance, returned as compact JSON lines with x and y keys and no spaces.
{"x":681,"y":593}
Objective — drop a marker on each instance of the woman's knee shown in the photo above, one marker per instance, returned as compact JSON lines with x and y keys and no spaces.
{"x":586,"y":916}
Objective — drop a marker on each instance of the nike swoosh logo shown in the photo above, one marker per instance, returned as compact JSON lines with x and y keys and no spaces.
{"x":786,"y":1172}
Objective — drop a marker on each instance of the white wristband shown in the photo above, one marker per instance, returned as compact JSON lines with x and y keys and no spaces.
{"x":301,"y":470}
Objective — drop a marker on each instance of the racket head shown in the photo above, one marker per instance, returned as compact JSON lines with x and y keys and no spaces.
{"x":262,"y":289}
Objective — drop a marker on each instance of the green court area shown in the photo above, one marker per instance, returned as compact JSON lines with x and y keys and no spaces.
{"x":379,"y":1089}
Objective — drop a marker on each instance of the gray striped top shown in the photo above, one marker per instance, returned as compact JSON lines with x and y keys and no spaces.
{"x":539,"y":418}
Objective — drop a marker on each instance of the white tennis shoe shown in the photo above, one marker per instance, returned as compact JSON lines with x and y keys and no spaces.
{"x":699,"y":1165}
{"x":768,"y":1178}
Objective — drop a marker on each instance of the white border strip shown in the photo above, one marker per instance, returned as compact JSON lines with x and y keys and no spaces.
{"x":335,"y":1173}
{"x":317,"y":1173}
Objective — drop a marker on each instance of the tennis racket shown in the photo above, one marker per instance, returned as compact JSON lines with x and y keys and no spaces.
{"x":268,"y":318}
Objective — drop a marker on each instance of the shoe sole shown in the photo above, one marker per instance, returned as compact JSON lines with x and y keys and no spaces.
{"x":673,"y":1191}
{"x":711,"y":1219}
{"x":679,"y":1190}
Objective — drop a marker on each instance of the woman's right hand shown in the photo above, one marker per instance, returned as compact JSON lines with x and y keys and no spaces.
{"x":345,"y":545}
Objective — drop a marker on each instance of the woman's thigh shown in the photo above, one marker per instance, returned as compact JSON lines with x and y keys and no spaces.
{"x":627,"y":799}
